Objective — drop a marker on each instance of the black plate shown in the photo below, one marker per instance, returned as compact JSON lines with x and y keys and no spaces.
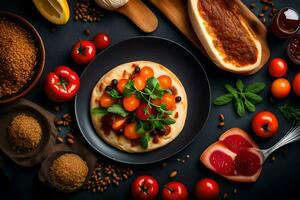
{"x":170,"y":54}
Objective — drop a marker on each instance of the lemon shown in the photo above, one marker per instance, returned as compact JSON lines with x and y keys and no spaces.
{"x":56,"y":11}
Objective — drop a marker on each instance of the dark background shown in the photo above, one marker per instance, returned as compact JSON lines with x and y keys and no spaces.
{"x":279,"y":178}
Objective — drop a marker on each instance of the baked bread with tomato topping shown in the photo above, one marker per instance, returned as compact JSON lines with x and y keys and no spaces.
{"x":232,"y":36}
{"x":138,"y":106}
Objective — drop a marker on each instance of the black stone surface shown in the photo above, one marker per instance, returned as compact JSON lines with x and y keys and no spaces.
{"x":279,"y":178}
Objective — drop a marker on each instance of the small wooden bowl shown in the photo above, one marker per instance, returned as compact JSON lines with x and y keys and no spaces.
{"x":38,"y":70}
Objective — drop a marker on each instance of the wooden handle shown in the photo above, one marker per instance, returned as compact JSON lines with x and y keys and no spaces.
{"x":139,"y":14}
{"x":176,"y":11}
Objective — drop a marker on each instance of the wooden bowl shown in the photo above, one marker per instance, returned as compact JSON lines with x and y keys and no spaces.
{"x":38,"y":70}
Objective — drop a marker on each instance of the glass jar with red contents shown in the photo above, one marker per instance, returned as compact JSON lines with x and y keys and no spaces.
{"x":293,"y":49}
{"x":285,"y":23}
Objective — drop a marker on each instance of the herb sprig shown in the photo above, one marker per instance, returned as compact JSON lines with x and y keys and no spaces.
{"x":290,"y":112}
{"x":244,"y":97}
{"x":115,"y":109}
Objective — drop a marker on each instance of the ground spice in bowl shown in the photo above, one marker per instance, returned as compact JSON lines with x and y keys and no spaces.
{"x":18,"y":57}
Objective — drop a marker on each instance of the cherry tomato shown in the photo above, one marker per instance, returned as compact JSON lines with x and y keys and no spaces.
{"x":165,"y":81}
{"x":119,"y":123}
{"x":83,"y":52}
{"x":106,"y":100}
{"x":296,"y":84}
{"x":169,"y":100}
{"x":144,"y":188}
{"x":175,"y":191}
{"x":264,"y":124}
{"x":121,"y":85}
{"x":130,"y":131}
{"x":147,"y":72}
{"x":143,"y":112}
{"x":156,"y":102}
{"x":131,"y":103}
{"x":280,"y":88}
{"x":278,"y":67}
{"x":139,"y":82}
{"x":101,"y":41}
{"x":207,"y":189}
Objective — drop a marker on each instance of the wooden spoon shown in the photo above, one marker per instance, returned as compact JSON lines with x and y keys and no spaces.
{"x":176,"y":11}
{"x":139,"y":14}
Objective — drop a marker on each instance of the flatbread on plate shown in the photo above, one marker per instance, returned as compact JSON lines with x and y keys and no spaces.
{"x":124,"y":71}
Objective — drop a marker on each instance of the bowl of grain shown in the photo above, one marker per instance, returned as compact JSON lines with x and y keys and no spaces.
{"x":22,"y":57}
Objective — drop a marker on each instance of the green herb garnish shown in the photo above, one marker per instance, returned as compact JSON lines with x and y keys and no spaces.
{"x":115,"y":109}
{"x":243,"y":97}
{"x":114,"y":94}
{"x":290,"y":112}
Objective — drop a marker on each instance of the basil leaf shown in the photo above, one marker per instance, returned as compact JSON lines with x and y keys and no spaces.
{"x":114,"y":94}
{"x":152,"y":83}
{"x":169,"y":121}
{"x":140,"y":127}
{"x":255,"y":87}
{"x":145,"y":140}
{"x":99,"y":111}
{"x":249,"y":106}
{"x":253,"y":98}
{"x":232,"y":90}
{"x":222,"y":100}
{"x":129,"y":89}
{"x":240,"y":85}
{"x":240,"y":109}
{"x":117,"y":109}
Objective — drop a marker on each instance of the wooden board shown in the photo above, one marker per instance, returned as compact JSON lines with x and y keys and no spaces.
{"x":176,"y":11}
{"x":140,"y":15}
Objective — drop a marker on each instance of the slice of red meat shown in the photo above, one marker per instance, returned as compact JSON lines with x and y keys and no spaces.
{"x":247,"y":163}
{"x":236,"y":143}
{"x":222,"y":162}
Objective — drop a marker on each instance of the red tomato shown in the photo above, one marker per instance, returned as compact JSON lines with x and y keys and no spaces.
{"x":101,"y":41}
{"x":121,"y":85}
{"x":280,"y":88}
{"x":175,"y":191}
{"x":139,"y":82}
{"x":143,"y":112}
{"x":83,"y":52}
{"x":144,"y":188}
{"x":278,"y":67}
{"x":207,"y":189}
{"x":296,"y":84}
{"x":119,"y":123}
{"x":130,"y":132}
{"x":131,"y":103}
{"x":147,"y":72}
{"x":264,"y":124}
{"x":106,"y":100}
{"x":169,"y":100}
{"x":165,"y":81}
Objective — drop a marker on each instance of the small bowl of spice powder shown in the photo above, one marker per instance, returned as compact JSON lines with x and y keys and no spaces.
{"x":22,"y":57}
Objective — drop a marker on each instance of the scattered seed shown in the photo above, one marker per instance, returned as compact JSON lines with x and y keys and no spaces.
{"x":70,"y":141}
{"x":187,"y":156}
{"x":225,"y":195}
{"x":164,"y":164}
{"x":221,"y":117}
{"x":56,"y":108}
{"x":59,"y":140}
{"x":265,"y":8}
{"x":178,"y":159}
{"x":221,"y":124}
{"x":173,"y":174}
{"x":261,"y":15}
{"x":69,"y":135}
{"x":273,"y":158}
{"x":235,"y":191}
{"x":252,"y":5}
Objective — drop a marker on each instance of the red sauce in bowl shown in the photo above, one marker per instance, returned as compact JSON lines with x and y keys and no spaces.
{"x":293,"y":49}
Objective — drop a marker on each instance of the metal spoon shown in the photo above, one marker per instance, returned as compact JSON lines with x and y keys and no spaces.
{"x":291,"y":136}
